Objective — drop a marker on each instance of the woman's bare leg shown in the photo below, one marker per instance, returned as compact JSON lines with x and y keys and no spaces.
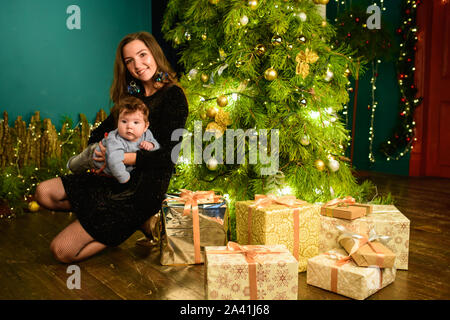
{"x":51,"y":195}
{"x":74,"y":244}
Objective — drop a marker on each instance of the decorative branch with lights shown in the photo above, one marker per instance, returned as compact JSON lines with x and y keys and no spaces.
{"x":35,"y":153}
{"x":371,"y":47}
{"x":401,"y":141}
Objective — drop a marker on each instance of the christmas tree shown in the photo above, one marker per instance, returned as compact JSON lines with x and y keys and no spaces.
{"x":266,"y":91}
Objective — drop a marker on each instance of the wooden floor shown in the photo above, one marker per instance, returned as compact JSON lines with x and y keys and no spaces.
{"x":28,"y":270}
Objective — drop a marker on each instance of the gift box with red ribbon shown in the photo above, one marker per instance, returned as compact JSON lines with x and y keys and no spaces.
{"x":191,"y":221}
{"x":337,"y":272}
{"x":345,"y":208}
{"x":384,"y":220}
{"x":271,"y":220}
{"x":252,"y":272}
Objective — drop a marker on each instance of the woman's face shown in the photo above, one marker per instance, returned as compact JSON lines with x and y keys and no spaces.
{"x":139,"y":60}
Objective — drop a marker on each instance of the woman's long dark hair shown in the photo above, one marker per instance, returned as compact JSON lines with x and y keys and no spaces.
{"x":122,"y":76}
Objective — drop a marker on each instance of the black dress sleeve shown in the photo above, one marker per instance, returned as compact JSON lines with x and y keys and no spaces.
{"x":98,"y":133}
{"x":174,"y":112}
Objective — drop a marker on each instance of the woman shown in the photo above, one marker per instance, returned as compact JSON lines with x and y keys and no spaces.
{"x":109,"y":212}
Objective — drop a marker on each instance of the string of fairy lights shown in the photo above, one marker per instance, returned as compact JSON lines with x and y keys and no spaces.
{"x":401,"y":142}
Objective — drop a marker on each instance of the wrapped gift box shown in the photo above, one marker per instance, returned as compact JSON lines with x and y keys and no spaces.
{"x":384,"y":219}
{"x":349,"y":212}
{"x":330,"y":271}
{"x":236,"y":272}
{"x":373,"y":254}
{"x":185,"y":233}
{"x":279,"y":224}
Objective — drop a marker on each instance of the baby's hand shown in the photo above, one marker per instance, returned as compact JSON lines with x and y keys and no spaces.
{"x":146,"y":145}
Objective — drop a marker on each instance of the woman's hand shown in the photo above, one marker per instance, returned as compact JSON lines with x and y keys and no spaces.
{"x":100,"y":157}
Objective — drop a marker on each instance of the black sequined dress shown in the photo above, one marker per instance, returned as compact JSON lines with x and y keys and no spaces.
{"x":110,"y":211}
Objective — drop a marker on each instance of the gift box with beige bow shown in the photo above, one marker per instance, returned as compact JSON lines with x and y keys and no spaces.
{"x":335,"y":271}
{"x":191,"y":221}
{"x":237,"y":272}
{"x":271,"y":220}
{"x":366,"y":250}
{"x":384,"y":220}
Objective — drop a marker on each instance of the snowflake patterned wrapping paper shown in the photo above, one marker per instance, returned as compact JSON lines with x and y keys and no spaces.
{"x":385,"y":219}
{"x":348,"y":279}
{"x":275,"y":224}
{"x":228,"y":276}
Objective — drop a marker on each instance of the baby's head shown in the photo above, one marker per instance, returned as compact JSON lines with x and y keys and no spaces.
{"x":132,"y":118}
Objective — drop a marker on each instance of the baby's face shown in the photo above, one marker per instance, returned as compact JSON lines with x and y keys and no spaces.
{"x":131,"y":126}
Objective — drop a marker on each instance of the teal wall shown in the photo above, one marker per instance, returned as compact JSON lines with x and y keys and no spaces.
{"x":387,"y":96}
{"x":60,"y":72}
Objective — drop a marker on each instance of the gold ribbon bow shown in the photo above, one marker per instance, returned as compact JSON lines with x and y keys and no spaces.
{"x":303,"y":59}
{"x":250,"y":253}
{"x":191,"y":200}
{"x":290,"y":201}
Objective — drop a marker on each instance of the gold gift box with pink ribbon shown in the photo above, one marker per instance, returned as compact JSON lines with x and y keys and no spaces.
{"x":190,"y":221}
{"x":252,"y":272}
{"x":384,"y":220}
{"x":345,"y":208}
{"x":337,"y":272}
{"x":271,"y":220}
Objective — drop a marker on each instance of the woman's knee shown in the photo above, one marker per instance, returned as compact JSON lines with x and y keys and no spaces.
{"x":60,"y":252}
{"x":48,"y":192}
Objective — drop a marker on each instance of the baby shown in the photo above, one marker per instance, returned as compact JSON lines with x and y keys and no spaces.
{"x":131,"y":135}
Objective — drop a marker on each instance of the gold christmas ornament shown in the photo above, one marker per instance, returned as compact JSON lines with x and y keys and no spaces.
{"x":215,"y":128}
{"x":305,"y":140}
{"x":324,"y":1}
{"x":301,"y":39}
{"x":276,"y":40}
{"x":212,"y":164}
{"x":222,"y":100}
{"x":212,"y":111}
{"x":222,"y":118}
{"x":324,"y":23}
{"x":204,"y":77}
{"x":253,"y":4}
{"x":347,"y":72}
{"x":33,"y":206}
{"x":204,"y":36}
{"x":213,"y":1}
{"x":270,"y":74}
{"x":260,"y":49}
{"x":319,"y":164}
